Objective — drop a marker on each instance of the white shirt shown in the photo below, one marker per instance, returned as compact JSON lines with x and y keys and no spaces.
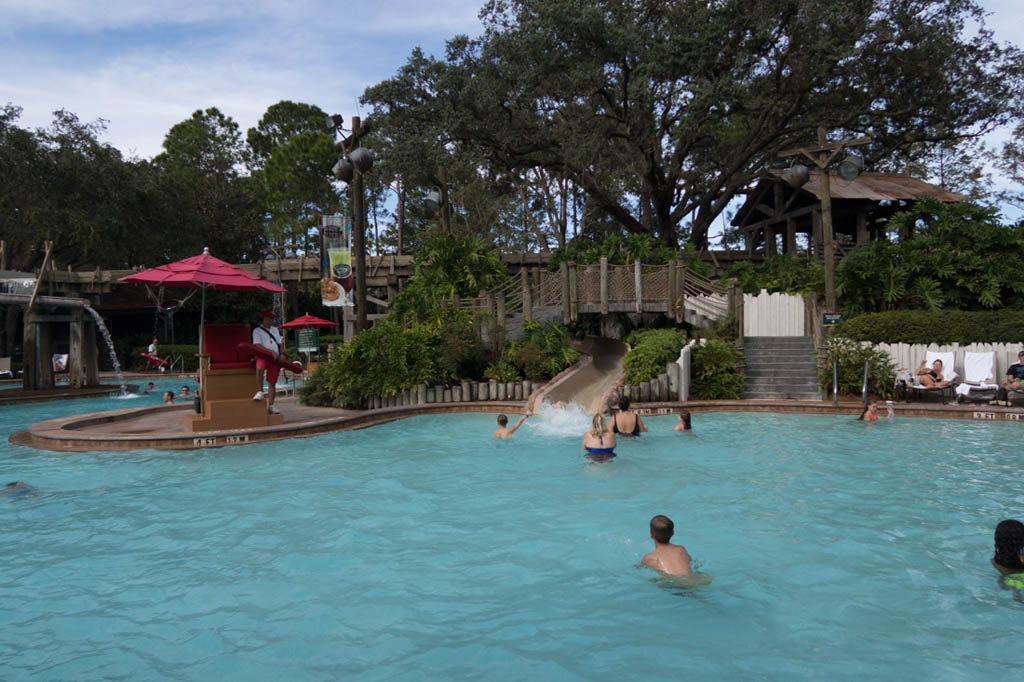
{"x":152,"y":349}
{"x":269,"y":338}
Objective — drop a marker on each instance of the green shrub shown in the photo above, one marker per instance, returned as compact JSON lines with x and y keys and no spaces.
{"x":851,"y":356}
{"x":651,"y":350}
{"x":784,"y":274}
{"x":714,"y":371}
{"x":543,"y":352}
{"x":919,"y":326}
{"x":503,"y":370}
{"x":316,"y":389}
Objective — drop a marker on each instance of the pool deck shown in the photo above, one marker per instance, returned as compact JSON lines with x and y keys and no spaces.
{"x":162,"y":426}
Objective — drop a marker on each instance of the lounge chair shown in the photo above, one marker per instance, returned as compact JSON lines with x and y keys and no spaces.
{"x":979,"y":384}
{"x":948,"y":374}
{"x":5,"y":368}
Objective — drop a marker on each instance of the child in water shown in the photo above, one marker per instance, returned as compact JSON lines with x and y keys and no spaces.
{"x":503,"y":431}
{"x":1009,"y":555}
{"x":870,"y":413}
{"x":684,"y":422}
{"x":667,"y":559}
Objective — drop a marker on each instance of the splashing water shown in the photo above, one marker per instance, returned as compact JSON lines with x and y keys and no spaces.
{"x":561,"y":419}
{"x":110,"y":349}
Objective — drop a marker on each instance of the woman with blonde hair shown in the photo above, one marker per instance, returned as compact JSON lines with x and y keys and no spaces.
{"x":599,"y":441}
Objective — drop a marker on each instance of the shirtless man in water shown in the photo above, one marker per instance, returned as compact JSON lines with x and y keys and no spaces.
{"x":667,"y":559}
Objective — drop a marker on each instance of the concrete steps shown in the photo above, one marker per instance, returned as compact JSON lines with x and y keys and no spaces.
{"x":780,"y":368}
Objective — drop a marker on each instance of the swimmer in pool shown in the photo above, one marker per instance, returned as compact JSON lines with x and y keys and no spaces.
{"x":599,"y":441}
{"x":16,"y":490}
{"x":667,"y":559}
{"x":149,"y":387}
{"x":169,"y":397}
{"x":1009,"y":555}
{"x":684,"y":422}
{"x":627,"y":422}
{"x":503,"y":430}
{"x":870,"y":413}
{"x":186,"y":392}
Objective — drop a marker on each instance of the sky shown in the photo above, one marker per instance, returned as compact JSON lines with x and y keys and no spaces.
{"x":144,"y":65}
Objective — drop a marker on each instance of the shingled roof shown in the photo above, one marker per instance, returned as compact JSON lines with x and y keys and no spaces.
{"x":878,"y":187}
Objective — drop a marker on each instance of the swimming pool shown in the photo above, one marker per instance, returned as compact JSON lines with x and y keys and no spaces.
{"x":424,"y":549}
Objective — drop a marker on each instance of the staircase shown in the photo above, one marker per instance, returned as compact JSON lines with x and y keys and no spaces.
{"x":780,"y":368}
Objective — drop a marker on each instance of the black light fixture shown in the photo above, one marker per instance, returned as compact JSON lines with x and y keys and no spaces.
{"x":334,"y":122}
{"x":343,"y":169}
{"x":433,"y":201}
{"x":362,"y":158}
{"x":796,"y":176}
{"x":851,"y":167}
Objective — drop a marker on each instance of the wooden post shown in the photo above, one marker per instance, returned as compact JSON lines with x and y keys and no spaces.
{"x":76,"y":359}
{"x":446,"y":208}
{"x":790,"y":236}
{"x":499,"y":318}
{"x":670,"y":288}
{"x":44,"y":354}
{"x":90,"y":354}
{"x":862,"y":228}
{"x":604,"y":285}
{"x":3,"y":254}
{"x":30,"y":369}
{"x":574,"y":293}
{"x":681,"y":292}
{"x":524,"y":275}
{"x":638,"y":286}
{"x":566,"y":313}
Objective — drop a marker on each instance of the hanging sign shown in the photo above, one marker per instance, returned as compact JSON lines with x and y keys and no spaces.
{"x":832,"y":319}
{"x":336,"y":278}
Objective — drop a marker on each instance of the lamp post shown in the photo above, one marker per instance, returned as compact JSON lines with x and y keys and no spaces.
{"x":354,"y":161}
{"x":822,"y":156}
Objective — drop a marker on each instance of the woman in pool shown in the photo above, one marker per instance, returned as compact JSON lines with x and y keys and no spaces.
{"x":684,"y":422}
{"x":1009,"y":556}
{"x":870,"y":413}
{"x":169,"y":397}
{"x":599,"y":442}
{"x":931,"y":378}
{"x":626,"y":422}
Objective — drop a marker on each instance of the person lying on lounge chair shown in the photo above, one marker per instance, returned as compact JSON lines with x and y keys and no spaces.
{"x":931,"y":378}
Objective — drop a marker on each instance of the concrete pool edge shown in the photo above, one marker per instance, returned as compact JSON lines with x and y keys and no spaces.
{"x":66,"y":434}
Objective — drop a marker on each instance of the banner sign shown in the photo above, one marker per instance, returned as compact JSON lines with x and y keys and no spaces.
{"x":336,"y":261}
{"x":832,"y":319}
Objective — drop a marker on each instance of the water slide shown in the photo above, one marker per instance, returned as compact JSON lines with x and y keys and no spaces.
{"x":588,"y":385}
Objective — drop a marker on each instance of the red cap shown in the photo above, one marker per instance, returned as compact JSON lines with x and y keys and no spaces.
{"x":269,"y":313}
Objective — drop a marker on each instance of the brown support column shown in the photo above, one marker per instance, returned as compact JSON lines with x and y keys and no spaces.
{"x":524,"y":276}
{"x":604,"y":285}
{"x":566,"y":312}
{"x":790,"y":247}
{"x":862,"y":228}
{"x":816,"y":237}
{"x":44,"y":359}
{"x":90,"y":354}
{"x":30,"y":371}
{"x":76,"y":360}
{"x":770,"y":247}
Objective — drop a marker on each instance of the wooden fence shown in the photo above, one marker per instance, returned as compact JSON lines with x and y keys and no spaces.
{"x":909,"y":356}
{"x":773,"y":315}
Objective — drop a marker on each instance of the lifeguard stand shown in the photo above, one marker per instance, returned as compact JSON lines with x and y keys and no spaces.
{"x":227,"y":383}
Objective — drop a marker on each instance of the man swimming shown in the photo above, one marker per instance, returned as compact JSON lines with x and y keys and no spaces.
{"x":503,"y":431}
{"x":667,"y":559}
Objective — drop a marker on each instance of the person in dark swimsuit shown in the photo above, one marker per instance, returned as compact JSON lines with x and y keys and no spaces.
{"x":932,"y":378}
{"x":599,"y":442}
{"x":624,"y":416}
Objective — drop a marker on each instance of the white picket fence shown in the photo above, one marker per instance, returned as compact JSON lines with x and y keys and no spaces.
{"x":773,"y":315}
{"x":909,"y":356}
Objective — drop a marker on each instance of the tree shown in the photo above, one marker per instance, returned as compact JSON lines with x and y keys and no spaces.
{"x":291,"y":155}
{"x":661,"y":111}
{"x":1011,"y":163}
{"x":208,"y":198}
{"x":951,"y":259}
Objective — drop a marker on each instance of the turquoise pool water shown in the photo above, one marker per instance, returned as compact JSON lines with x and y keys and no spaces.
{"x":424,"y":549}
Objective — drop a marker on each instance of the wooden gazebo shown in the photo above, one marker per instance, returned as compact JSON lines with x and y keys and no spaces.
{"x":775,"y":213}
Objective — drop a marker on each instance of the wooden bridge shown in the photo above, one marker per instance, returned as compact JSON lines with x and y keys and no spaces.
{"x":533,"y":293}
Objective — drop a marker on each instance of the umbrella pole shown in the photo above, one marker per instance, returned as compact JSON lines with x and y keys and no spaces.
{"x":202,"y":318}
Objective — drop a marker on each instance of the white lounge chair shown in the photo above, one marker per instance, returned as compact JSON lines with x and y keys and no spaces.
{"x":948,"y":359}
{"x":979,"y":377}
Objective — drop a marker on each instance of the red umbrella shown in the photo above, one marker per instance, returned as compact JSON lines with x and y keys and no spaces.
{"x":202,"y":272}
{"x":308,"y":321}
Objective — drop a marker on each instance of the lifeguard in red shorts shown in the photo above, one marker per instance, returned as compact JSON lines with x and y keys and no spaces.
{"x":268,"y":336}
